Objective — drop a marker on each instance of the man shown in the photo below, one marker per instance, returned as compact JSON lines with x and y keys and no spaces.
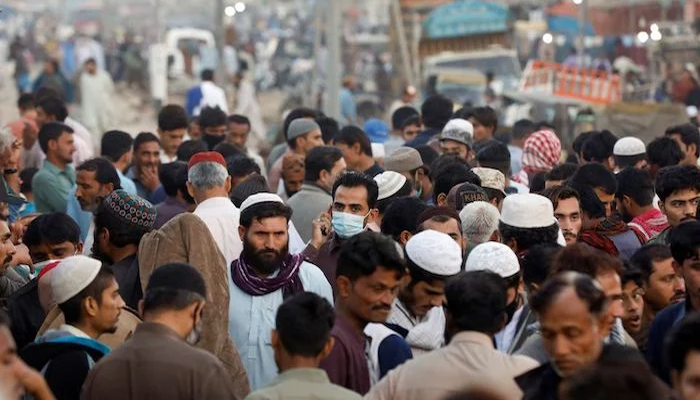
{"x":161,"y":351}
{"x":302,"y":135}
{"x":495,"y":155}
{"x":408,"y":99}
{"x":357,"y":151}
{"x":446,"y":177}
{"x":53,"y":109}
{"x":117,"y":147}
{"x":474,"y":313}
{"x":348,"y":108}
{"x":494,"y":184}
{"x":214,"y":126}
{"x":238,"y":133}
{"x":663,"y":152}
{"x":408,"y":161}
{"x":560,"y":174}
{"x":678,"y":188}
{"x":406,"y":124}
{"x":392,"y":186}
{"x":292,"y":175}
{"x":241,"y":168}
{"x":172,"y":130}
{"x":10,"y":281}
{"x":684,"y":358}
{"x":567,"y":211}
{"x":323,"y":166}
{"x":262,"y":277}
{"x":541,"y":153}
{"x":521,"y":130}
{"x":527,"y":220}
{"x":354,"y":206}
{"x":417,"y":312}
{"x":52,"y":236}
{"x":400,"y":220}
{"x":173,"y":177}
{"x":209,"y":184}
{"x":436,"y":112}
{"x":53,"y":182}
{"x":630,"y":152}
{"x":663,"y":285}
{"x":206,"y":94}
{"x":96,"y":94}
{"x":88,"y":295}
{"x":368,"y":275}
{"x":247,"y":104}
{"x":121,"y":220}
{"x":598,"y":149}
{"x":485,"y":122}
{"x":144,"y":172}
{"x":601,"y":180}
{"x":443,"y":220}
{"x":632,"y":300}
{"x":635,"y":197}
{"x":688,"y":140}
{"x":480,"y":221}
{"x":457,"y":138}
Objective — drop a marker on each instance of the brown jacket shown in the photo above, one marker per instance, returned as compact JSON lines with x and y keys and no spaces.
{"x":187,"y":239}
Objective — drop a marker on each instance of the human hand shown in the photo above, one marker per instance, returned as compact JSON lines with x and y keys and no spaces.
{"x":321,"y":230}
{"x":149,"y":177}
{"x":31,"y":380}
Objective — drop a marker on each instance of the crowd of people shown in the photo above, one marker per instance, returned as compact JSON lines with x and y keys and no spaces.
{"x":429,"y":259}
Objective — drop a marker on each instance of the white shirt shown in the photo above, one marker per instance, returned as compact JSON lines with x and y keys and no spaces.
{"x":504,"y":338}
{"x":212,"y":96}
{"x":222,"y":218}
{"x":73,"y":331}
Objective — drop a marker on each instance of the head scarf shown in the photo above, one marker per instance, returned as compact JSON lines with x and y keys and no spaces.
{"x":541,"y":152}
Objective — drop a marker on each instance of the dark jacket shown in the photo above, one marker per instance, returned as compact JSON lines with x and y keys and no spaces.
{"x":422,"y":138}
{"x":26,"y":313}
{"x":660,"y":328}
{"x":523,"y":329}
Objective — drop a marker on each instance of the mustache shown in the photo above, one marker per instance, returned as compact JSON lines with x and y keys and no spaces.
{"x":381,"y":307}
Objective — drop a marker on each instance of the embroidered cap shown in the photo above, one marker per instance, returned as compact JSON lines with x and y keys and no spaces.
{"x":131,"y":209}
{"x":459,"y":130}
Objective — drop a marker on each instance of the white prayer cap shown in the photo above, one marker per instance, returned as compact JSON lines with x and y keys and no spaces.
{"x":629,"y":146}
{"x":494,"y":257}
{"x":527,"y":210}
{"x":71,"y":276}
{"x":260,"y":198}
{"x":378,"y":150}
{"x":389,"y":183}
{"x":435,"y":252}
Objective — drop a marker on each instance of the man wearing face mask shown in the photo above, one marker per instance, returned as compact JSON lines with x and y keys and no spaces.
{"x":161,"y":351}
{"x":214,"y":124}
{"x":354,"y":206}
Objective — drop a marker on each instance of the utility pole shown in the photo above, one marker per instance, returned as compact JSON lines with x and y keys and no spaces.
{"x":220,"y":42}
{"x":333,"y":30}
{"x":582,"y":23}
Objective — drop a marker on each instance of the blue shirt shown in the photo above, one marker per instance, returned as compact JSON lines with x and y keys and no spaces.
{"x":422,"y":138}
{"x":660,"y":328}
{"x":127,"y":184}
{"x":348,"y":107}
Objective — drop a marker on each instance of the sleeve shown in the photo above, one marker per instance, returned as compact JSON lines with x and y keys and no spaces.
{"x":47,"y":193}
{"x":336,"y":365}
{"x":311,"y":253}
{"x":393,"y":351}
{"x":655,"y":353}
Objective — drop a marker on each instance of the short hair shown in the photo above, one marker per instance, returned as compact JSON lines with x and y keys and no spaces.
{"x":538,"y":181}
{"x":404,"y":191}
{"x":596,"y":176}
{"x":528,"y":237}
{"x":630,"y":273}
{"x":239,"y":119}
{"x":329,"y":128}
{"x":614,"y":379}
{"x":479,"y":221}
{"x":486,"y":116}
{"x":443,"y":161}
{"x":172,"y":117}
{"x":121,"y":233}
{"x":207,"y":175}
{"x":173,"y":177}
{"x":53,"y":228}
{"x":402,"y":215}
{"x":644,"y":258}
{"x":304,"y":323}
{"x":670,"y":180}
{"x":562,"y":172}
{"x":599,"y":146}
{"x":227,"y":150}
{"x":436,"y":111}
{"x":171,"y":292}
{"x":476,"y":301}
{"x":586,"y":260}
{"x":207,"y":75}
{"x":25,"y":102}
{"x":401,"y":116}
{"x":585,"y":287}
{"x":73,"y":307}
{"x":254,"y":184}
{"x":684,"y":241}
{"x":241,"y":165}
{"x":537,"y":262}
{"x":427,"y":155}
{"x":577,"y":145}
{"x":188,"y":148}
{"x":589,"y":201}
{"x":684,"y":339}
{"x":629,"y":161}
{"x":351,"y":135}
{"x":261,"y":211}
{"x":496,"y":155}
{"x":212,"y":116}
{"x":451,"y":176}
{"x":115,"y":144}
{"x":297,"y":113}
{"x":356,"y":179}
{"x":143,"y":138}
{"x":104,"y":171}
{"x":522,"y":129}
{"x":52,"y":105}
{"x":362,"y":254}
{"x":52,"y":131}
{"x":319,"y":159}
{"x":559,"y":193}
{"x":26,"y":176}
{"x":689,"y":135}
{"x":664,"y":152}
{"x":636,"y":184}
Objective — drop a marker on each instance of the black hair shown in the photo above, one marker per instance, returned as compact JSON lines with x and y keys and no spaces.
{"x":260,"y":211}
{"x":188,"y":148}
{"x":486,"y":116}
{"x":404,"y":191}
{"x":585,"y":287}
{"x":427,"y":155}
{"x":53,"y":228}
{"x":436,"y":111}
{"x":329,"y":128}
{"x":173,"y":287}
{"x":115,"y":144}
{"x":173,"y":177}
{"x":25,"y":102}
{"x":227,"y":150}
{"x":319,"y":159}
{"x":73,"y":308}
{"x":522,"y":129}
{"x":562,"y":172}
{"x":104,"y":171}
{"x":670,"y":180}
{"x":579,"y":141}
{"x":629,"y":161}
{"x":402,"y":215}
{"x":614,"y":379}
{"x":241,"y":165}
{"x":664,"y":152}
{"x":252,"y":185}
{"x":172,"y":117}
{"x":5,"y":320}
{"x":400,"y":117}
{"x":689,"y":135}
{"x":297,"y":113}
{"x":538,"y":181}
{"x":476,"y":301}
{"x":684,"y":339}
{"x":684,"y":241}
{"x":211,"y":117}
{"x":53,"y":106}
{"x":304,"y":323}
{"x":121,"y":233}
{"x":644,"y":258}
{"x":451,"y":176}
{"x":444,"y":161}
{"x":410,"y":121}
{"x":596,"y":176}
{"x":143,"y":138}
{"x":350,"y":135}
{"x":587,"y":260}
{"x":26,"y":176}
{"x":636,"y":184}
{"x":589,"y":201}
{"x":558,"y":193}
{"x":528,"y":237}
{"x":356,"y":179}
{"x":599,"y":146}
{"x":238,"y":119}
{"x":630,"y":273}
{"x":52,"y":131}
{"x":496,"y":155}
{"x":207,"y":75}
{"x":362,"y":254}
{"x":537,"y":262}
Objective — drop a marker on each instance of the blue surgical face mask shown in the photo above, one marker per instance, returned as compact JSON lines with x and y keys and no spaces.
{"x":347,"y":225}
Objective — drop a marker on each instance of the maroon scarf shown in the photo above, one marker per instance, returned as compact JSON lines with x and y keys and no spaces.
{"x":287,"y":279}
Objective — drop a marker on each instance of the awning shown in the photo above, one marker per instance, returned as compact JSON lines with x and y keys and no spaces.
{"x":465,"y":18}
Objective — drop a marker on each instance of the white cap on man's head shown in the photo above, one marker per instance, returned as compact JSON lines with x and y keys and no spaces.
{"x":527,"y":210}
{"x":435,"y":252}
{"x":495,"y":257}
{"x":260,"y":198}
{"x":71,"y":276}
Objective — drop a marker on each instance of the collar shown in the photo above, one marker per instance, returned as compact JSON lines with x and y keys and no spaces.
{"x":156,"y":328}
{"x":73,"y":331}
{"x":400,"y":307}
{"x":314,"y":375}
{"x":344,"y":325}
{"x":215,"y":202}
{"x":472,"y":337}
{"x":313,"y":187}
{"x":51,"y":167}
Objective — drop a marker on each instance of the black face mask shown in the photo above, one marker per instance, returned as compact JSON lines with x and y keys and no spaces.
{"x":212,"y":141}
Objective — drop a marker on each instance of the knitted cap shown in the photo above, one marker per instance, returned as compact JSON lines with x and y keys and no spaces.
{"x":131,"y":209}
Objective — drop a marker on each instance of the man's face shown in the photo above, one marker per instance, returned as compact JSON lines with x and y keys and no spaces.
{"x":410,"y":132}
{"x":12,"y":387}
{"x":238,"y":134}
{"x":266,"y":244}
{"x":89,"y":191}
{"x":370,"y":298}
{"x":221,"y":130}
{"x":665,"y":286}
{"x":481,"y":132}
{"x":690,"y":270}
{"x":689,"y":151}
{"x":148,"y":155}
{"x":680,"y":206}
{"x":42,"y":117}
{"x":633,"y":300}
{"x":350,"y":155}
{"x":606,"y":199}
{"x":46,"y":251}
{"x":351,"y":200}
{"x":292,"y":184}
{"x":91,"y":68}
{"x":171,"y":140}
{"x":63,"y":147}
{"x":421,"y":297}
{"x":194,"y":130}
{"x":453,"y":148}
{"x":450,"y":228}
{"x":568,"y":213}
{"x":7,"y":248}
{"x":612,"y":286}
{"x":310,"y":140}
{"x":687,"y":382}
{"x":110,"y":308}
{"x":338,"y":169}
{"x":572,"y":336}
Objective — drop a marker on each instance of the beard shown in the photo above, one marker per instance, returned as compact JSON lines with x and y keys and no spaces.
{"x":264,"y":261}
{"x":98,"y":254}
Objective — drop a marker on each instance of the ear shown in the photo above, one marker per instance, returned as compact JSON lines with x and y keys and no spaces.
{"x":344,"y":286}
{"x":513,"y":244}
{"x":228,"y":185}
{"x":274,"y":339}
{"x":692,"y":148}
{"x":328,"y":348}
{"x":323,"y":175}
{"x":627,"y":202}
{"x":356,"y":148}
{"x":611,"y":162}
{"x":404,"y":237}
{"x":139,"y":308}
{"x":495,"y":236}
{"x":110,"y":187}
{"x":190,"y":189}
{"x":241,"y":232}
{"x":662,"y":208}
{"x":373,"y":215}
{"x":441,"y":199}
{"x":105,"y":235}
{"x":79,"y":248}
{"x":90,"y":306}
